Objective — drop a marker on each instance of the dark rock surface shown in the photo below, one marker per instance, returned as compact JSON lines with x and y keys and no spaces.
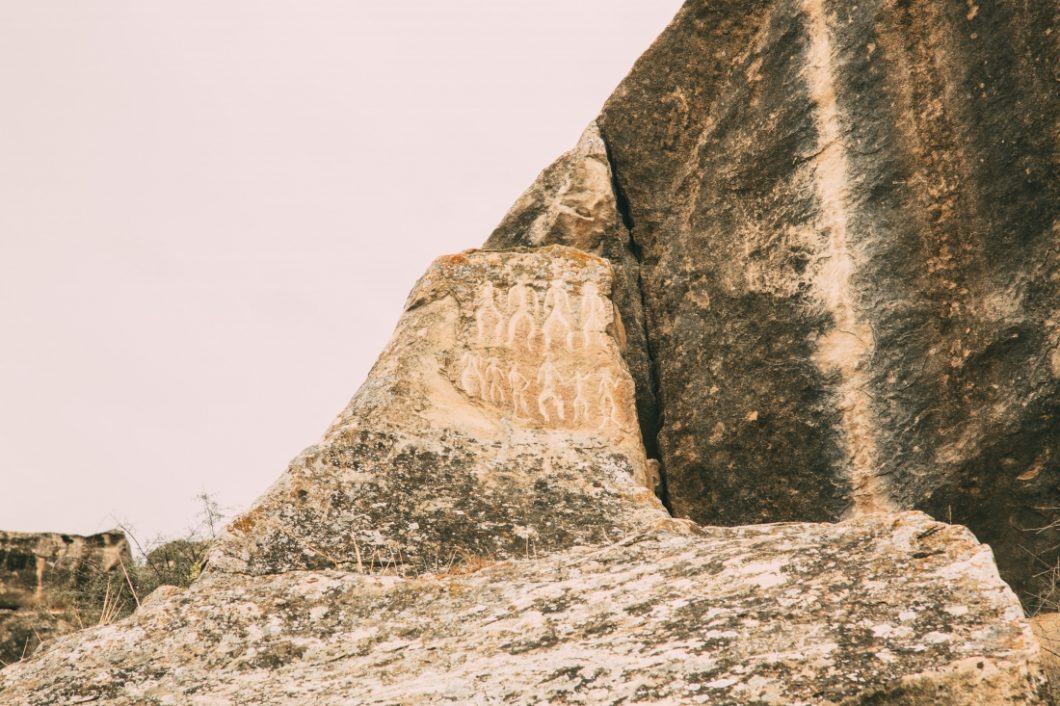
{"x":846,"y":221}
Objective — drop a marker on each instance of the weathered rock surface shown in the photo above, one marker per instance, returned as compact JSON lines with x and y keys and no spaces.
{"x":847,"y":219}
{"x":40,"y":577}
{"x":810,"y":253}
{"x":1046,"y":627}
{"x":879,"y":610}
{"x":499,"y":422}
{"x":574,"y":203}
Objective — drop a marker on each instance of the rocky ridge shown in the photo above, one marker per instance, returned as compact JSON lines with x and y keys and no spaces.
{"x":460,"y":536}
{"x":40,"y":577}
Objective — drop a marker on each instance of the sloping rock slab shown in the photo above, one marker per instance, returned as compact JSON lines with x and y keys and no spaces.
{"x":879,"y":610}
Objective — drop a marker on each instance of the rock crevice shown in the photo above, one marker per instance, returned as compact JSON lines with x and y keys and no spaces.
{"x":651,"y":414}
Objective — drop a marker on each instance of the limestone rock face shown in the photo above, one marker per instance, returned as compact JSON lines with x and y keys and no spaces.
{"x":847,"y":221}
{"x":574,"y":203}
{"x":879,"y":610}
{"x":39,"y":575}
{"x":499,"y":422}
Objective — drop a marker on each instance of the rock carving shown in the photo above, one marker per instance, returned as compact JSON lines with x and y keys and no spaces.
{"x":558,"y":322}
{"x":522,"y":302}
{"x":555,"y":329}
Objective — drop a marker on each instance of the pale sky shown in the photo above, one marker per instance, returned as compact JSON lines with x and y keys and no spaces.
{"x":211,"y":212}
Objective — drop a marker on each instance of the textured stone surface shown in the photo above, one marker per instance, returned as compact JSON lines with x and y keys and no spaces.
{"x":810,"y":251}
{"x":39,"y":573}
{"x":846,"y":220}
{"x":1046,"y":627}
{"x":498,"y":422}
{"x":573,"y":203}
{"x":886,"y":610}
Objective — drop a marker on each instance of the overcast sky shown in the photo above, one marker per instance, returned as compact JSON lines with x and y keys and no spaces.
{"x":211,"y":212}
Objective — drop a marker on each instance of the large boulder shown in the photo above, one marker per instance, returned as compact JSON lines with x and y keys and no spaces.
{"x":47,"y":580}
{"x":844,"y":219}
{"x":879,"y":610}
{"x":499,"y":422}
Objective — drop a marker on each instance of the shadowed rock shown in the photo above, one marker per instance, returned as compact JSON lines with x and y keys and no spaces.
{"x":42,"y":577}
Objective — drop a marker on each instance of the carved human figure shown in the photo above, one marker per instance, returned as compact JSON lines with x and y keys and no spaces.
{"x":606,"y":390}
{"x":593,"y":314}
{"x":581,"y":402}
{"x":495,"y":383}
{"x":488,"y":318}
{"x":518,"y":385}
{"x":521,"y":306}
{"x":471,"y":379}
{"x":546,"y":379}
{"x":558,"y":322}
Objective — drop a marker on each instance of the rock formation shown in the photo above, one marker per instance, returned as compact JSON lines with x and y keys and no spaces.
{"x":803,"y":268}
{"x":845,"y":224}
{"x":41,"y":577}
{"x":461,"y":535}
{"x":888,"y":610}
{"x":499,"y":422}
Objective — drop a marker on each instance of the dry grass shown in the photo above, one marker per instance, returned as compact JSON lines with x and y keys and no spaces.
{"x":464,"y":564}
{"x":112,"y":606}
{"x":92,"y":596}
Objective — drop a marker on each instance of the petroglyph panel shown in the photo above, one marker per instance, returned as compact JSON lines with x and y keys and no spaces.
{"x":535,"y":346}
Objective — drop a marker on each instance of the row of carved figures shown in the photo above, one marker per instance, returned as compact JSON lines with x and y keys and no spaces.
{"x":542,"y":395}
{"x":524,"y":316}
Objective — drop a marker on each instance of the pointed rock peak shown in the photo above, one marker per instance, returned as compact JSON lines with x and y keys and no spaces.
{"x":499,"y":421}
{"x":571,"y":203}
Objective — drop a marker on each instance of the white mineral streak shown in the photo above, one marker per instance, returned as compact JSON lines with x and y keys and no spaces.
{"x":845,"y":349}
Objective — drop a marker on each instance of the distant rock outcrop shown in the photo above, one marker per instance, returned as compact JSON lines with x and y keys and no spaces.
{"x":41,"y":579}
